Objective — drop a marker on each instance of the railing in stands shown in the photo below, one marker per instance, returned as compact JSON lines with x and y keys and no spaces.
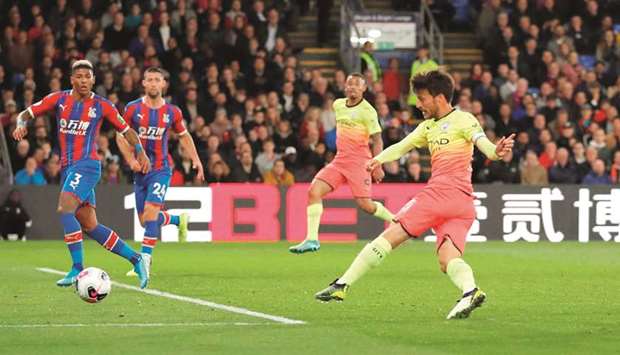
{"x":349,"y":52}
{"x":6,"y":171}
{"x":430,"y":33}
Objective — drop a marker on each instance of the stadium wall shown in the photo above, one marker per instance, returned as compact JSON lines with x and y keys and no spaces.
{"x":264,"y":213}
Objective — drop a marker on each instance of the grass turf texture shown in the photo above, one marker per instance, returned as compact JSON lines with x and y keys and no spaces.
{"x":543,"y":298}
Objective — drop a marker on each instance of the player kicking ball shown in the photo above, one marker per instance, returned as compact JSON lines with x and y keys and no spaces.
{"x":152,"y":117}
{"x":356,"y":125}
{"x":446,"y":202}
{"x":80,"y":113}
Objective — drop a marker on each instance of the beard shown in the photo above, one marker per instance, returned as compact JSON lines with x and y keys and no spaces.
{"x":153,"y":95}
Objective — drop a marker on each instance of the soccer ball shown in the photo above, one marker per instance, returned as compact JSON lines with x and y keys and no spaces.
{"x":93,"y":285}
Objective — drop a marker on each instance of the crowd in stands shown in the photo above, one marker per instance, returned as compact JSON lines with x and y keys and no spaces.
{"x":550,"y":75}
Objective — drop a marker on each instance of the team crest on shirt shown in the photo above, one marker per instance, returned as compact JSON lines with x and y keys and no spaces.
{"x":166,"y":118}
{"x":444,"y":126}
{"x":92,"y":112}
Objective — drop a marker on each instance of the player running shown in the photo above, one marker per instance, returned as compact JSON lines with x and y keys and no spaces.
{"x":445,"y":204}
{"x":80,"y":113}
{"x":357,"y":124}
{"x":151,"y":116}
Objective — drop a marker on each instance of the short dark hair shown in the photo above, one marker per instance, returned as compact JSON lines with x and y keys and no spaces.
{"x":436,"y":82}
{"x":157,"y":70}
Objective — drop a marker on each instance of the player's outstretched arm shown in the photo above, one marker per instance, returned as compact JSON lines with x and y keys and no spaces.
{"x":495,"y":151}
{"x":132,"y":137}
{"x":21,"y":129}
{"x":187,"y":143}
{"x":47,"y":104}
{"x":415,"y":139}
{"x":128,"y":152}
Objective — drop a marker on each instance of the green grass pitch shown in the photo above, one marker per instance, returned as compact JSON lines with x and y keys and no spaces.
{"x":543,"y":299}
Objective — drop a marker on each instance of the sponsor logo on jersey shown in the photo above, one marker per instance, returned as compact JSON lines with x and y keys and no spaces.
{"x":73,"y":127}
{"x":153,"y":133}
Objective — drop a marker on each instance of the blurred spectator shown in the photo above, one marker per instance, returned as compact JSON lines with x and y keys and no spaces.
{"x":532,"y":173}
{"x":597,"y":176}
{"x":548,"y":158}
{"x":393,"y":172}
{"x":581,"y":163}
{"x":52,"y":170}
{"x":279,"y":175}
{"x":370,"y":63}
{"x":218,"y":171}
{"x":393,"y":83}
{"x":30,"y":174}
{"x":13,"y":217}
{"x":20,"y":55}
{"x":505,"y":170}
{"x":487,"y":18}
{"x":599,"y":142}
{"x":246,"y":170}
{"x":112,"y":173}
{"x":415,"y":173}
{"x":266,"y":159}
{"x":423,"y":63}
{"x":563,"y":171}
{"x":116,"y":36}
{"x":18,"y":160}
{"x":614,"y":170}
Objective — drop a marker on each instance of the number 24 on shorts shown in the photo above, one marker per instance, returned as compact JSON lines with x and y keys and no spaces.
{"x":159,"y":190}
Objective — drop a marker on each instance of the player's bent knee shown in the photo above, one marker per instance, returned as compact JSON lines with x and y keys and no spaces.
{"x":314,"y":194}
{"x":88,"y":221}
{"x":67,"y":203}
{"x":88,"y":226}
{"x":150,"y":213}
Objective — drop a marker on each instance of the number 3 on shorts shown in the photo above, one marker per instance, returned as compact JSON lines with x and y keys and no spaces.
{"x":76,"y":180}
{"x":159,"y":190}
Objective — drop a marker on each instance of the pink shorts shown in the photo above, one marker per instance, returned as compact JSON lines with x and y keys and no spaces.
{"x":354,"y":173}
{"x":449,"y":211}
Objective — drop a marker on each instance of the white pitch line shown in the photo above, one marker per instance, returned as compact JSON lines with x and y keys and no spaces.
{"x":129,"y":325}
{"x":197,"y":301}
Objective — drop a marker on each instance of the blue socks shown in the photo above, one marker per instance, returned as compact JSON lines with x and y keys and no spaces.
{"x":164,"y":218}
{"x":73,"y":239}
{"x":151,"y":234}
{"x":111,"y":241}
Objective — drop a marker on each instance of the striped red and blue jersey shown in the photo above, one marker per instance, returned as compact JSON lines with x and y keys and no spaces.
{"x":79,"y":122}
{"x":152,"y":126}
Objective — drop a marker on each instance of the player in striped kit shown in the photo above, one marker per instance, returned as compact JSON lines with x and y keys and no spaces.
{"x":80,"y":113}
{"x":151,"y":116}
